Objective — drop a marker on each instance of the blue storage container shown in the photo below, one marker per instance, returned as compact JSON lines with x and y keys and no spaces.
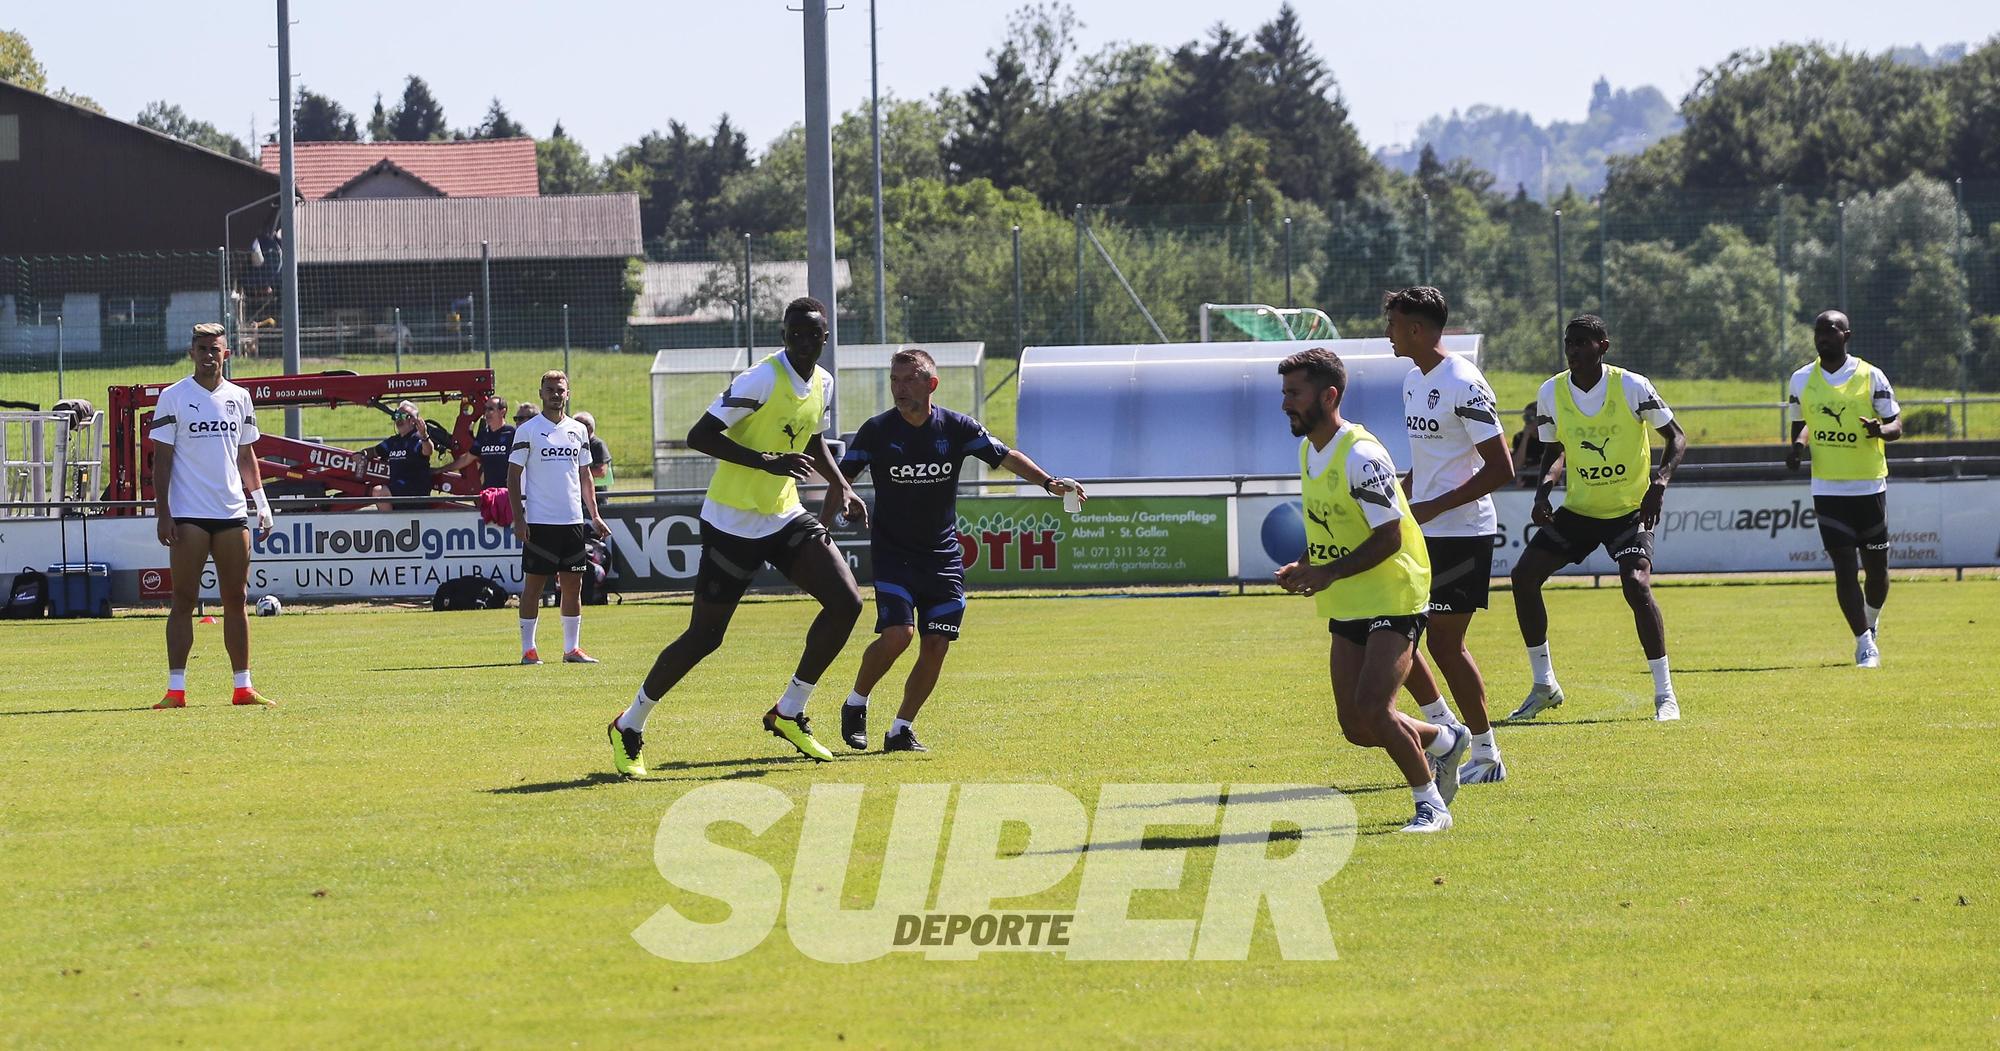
{"x":80,"y":589}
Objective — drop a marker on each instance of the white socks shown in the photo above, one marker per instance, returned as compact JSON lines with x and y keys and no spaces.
{"x":1484,"y":743}
{"x":1428,"y":793}
{"x":572,"y":632}
{"x":177,"y":678}
{"x":1439,"y":712}
{"x":243,"y":679}
{"x":634,"y":718}
{"x":1542,"y":665}
{"x":1874,"y":614}
{"x":855,"y":700}
{"x":1663,"y":683}
{"x":1446,"y":740}
{"x":796,"y":695}
{"x":528,"y":633}
{"x":899,"y":726}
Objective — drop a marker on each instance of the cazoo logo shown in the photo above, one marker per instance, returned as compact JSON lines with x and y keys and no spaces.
{"x":1847,"y":437}
{"x":1601,"y":473}
{"x":920,"y":472}
{"x":1419,"y":423}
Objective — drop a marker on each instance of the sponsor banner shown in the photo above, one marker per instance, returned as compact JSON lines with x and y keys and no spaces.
{"x":1017,"y":541}
{"x":1706,"y":529}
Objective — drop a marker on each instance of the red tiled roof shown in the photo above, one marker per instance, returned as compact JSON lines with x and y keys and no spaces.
{"x":484,"y":168}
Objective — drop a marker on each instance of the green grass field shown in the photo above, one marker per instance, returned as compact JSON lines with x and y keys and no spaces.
{"x":423,"y":847}
{"x":617,"y":390}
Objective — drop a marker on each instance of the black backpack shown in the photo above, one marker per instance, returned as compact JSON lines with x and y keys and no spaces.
{"x":29,"y":596}
{"x":469,"y":592}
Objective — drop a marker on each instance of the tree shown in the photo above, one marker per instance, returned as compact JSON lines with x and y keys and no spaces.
{"x":1043,"y":36}
{"x":679,"y":177}
{"x":1227,"y":169}
{"x":994,"y":139}
{"x":378,"y":122}
{"x":1973,"y":85}
{"x":417,"y":117}
{"x":1209,"y":83}
{"x":563,"y":166}
{"x":1295,"y":105}
{"x":317,"y":118}
{"x":17,"y":62}
{"x":169,"y":119}
{"x":498,"y":125}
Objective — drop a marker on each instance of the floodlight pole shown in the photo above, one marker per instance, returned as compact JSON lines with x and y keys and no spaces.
{"x":819,"y":194}
{"x":875,"y":132}
{"x":288,"y":262}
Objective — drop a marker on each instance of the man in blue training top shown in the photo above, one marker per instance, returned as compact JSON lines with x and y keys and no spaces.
{"x":915,"y":451}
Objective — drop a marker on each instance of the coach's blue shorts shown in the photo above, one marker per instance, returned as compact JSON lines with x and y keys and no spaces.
{"x":929,"y":596}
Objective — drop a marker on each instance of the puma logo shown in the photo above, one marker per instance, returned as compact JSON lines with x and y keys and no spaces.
{"x":1598,"y":448}
{"x":791,"y":435}
{"x":1827,"y":410}
{"x":1319,"y":520}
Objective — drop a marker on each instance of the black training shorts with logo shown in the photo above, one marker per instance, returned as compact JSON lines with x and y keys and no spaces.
{"x":1572,"y":537}
{"x":1853,"y":521}
{"x":1461,"y":568}
{"x":553,"y":549}
{"x":728,"y":561}
{"x":1410,"y":626}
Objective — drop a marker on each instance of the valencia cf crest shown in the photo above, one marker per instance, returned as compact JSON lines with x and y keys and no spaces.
{"x":943,"y":446}
{"x":1433,"y":402}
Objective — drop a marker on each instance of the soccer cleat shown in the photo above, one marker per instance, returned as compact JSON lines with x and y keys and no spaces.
{"x":1444,"y":768}
{"x":577,"y":656}
{"x":248,"y":695}
{"x":531,"y":657}
{"x":173,"y":699}
{"x":904,"y":740}
{"x":1666,"y":709}
{"x":854,"y":726}
{"x":795,"y":729}
{"x":1428,"y":819}
{"x":626,"y":749}
{"x":1866,"y":653}
{"x":1483,"y":768}
{"x":1541,"y":698}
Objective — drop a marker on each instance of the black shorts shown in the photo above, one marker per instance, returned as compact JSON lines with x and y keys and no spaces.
{"x":1572,"y":537}
{"x":1461,"y":568}
{"x":1853,"y":521}
{"x":214,"y":526}
{"x":910,"y":592}
{"x":553,"y":549}
{"x":728,"y":561}
{"x":1410,"y":626}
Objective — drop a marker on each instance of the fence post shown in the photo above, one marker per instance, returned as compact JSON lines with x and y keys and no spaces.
{"x":1288,"y":262}
{"x":1020,"y":322}
{"x":1958,"y":224}
{"x":1079,"y":273}
{"x":565,"y":312}
{"x":908,"y":337}
{"x":486,"y":299}
{"x":1249,"y":252}
{"x":749,"y":316}
{"x":59,"y":357}
{"x":1427,"y":238}
{"x":1559,"y":281}
{"x":399,"y":339}
{"x":1778,"y":256}
{"x":1603,"y":262}
{"x":1840,"y":241}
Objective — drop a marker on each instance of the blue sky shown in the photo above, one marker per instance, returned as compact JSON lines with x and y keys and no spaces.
{"x":613,"y":70}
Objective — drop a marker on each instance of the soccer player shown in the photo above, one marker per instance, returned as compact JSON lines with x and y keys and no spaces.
{"x":765,"y":427}
{"x":1458,"y":457}
{"x":1366,"y":567}
{"x":1831,"y":400}
{"x":203,"y":464}
{"x":1593,"y":419}
{"x":548,"y":486}
{"x":915,"y":451}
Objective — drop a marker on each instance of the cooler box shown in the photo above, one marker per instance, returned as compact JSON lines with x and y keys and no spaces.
{"x":80,"y":589}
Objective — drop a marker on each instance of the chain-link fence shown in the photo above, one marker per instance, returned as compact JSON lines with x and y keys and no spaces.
{"x":1711,"y":294}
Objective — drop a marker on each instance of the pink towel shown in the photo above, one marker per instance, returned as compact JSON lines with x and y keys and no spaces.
{"x":494,"y":508}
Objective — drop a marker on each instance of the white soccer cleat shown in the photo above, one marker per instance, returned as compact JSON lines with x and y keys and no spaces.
{"x":1666,"y":709}
{"x":1444,"y":768}
{"x":1428,"y":819}
{"x":1482,"y":769}
{"x":1866,"y":653}
{"x":1541,"y":698}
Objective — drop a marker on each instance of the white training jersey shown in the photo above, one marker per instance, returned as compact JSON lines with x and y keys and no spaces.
{"x":1640,"y":399}
{"x":1368,"y":467}
{"x":1886,"y":409}
{"x":549,"y":455}
{"x":206,"y":428}
{"x":746,"y":394}
{"x":1448,"y":412}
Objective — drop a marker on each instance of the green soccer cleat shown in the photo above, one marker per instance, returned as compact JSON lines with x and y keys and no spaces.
{"x":795,"y":730}
{"x":626,"y":749}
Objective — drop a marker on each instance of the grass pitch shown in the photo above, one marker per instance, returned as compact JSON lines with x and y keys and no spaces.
{"x":423,"y":847}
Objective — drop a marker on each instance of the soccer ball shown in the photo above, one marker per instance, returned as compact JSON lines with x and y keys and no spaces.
{"x":269,"y":606}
